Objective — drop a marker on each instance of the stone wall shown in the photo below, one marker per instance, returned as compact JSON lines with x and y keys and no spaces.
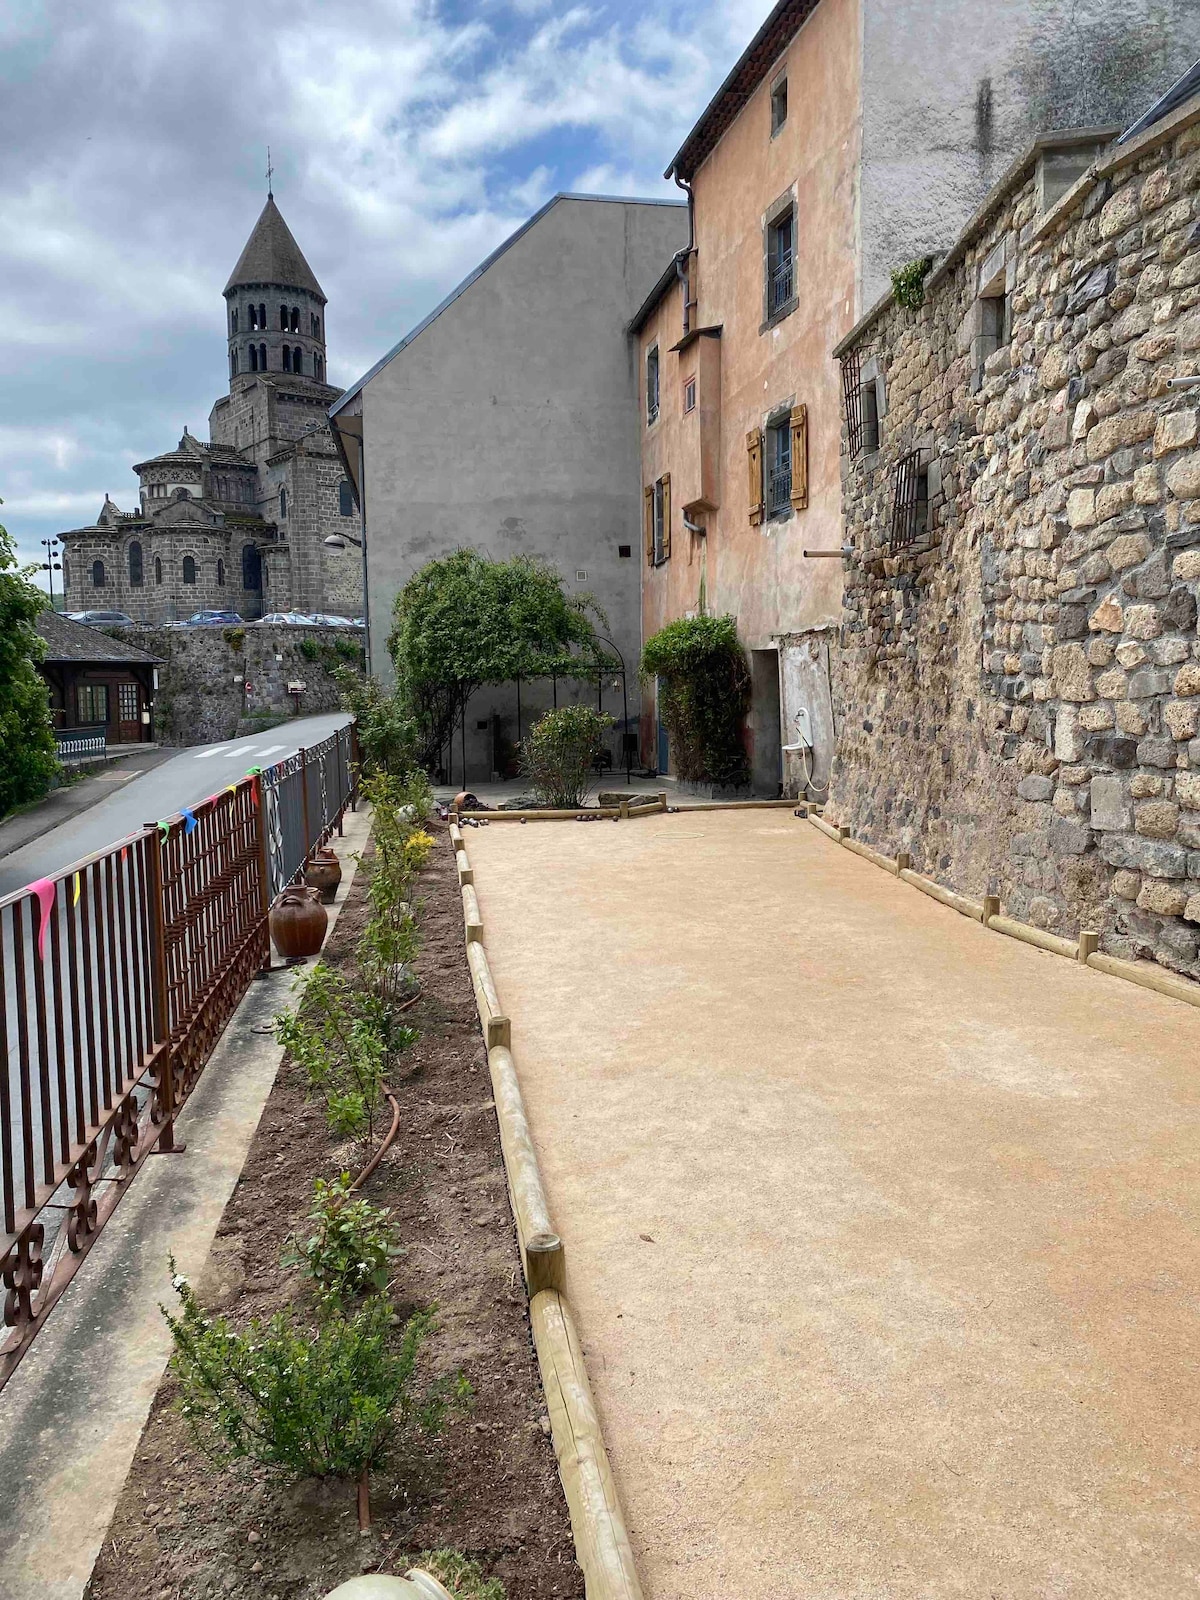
{"x":198,"y":701}
{"x":1018,"y":690}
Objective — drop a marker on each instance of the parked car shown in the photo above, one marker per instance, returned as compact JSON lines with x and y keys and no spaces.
{"x":103,"y":618}
{"x":212,"y":619}
{"x":325,"y":620}
{"x":288,"y":619}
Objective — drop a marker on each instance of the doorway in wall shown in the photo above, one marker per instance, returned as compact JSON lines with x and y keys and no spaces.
{"x":766,"y":744}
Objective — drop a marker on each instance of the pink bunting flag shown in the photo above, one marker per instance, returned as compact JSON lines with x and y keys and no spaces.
{"x":44,"y":890}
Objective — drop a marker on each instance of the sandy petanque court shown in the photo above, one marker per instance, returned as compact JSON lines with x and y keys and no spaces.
{"x":880,"y":1227}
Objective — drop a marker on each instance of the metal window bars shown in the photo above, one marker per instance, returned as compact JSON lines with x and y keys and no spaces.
{"x":907,"y":481}
{"x":117,"y":977}
{"x":779,"y":470}
{"x":852,"y":399}
{"x":781,"y":282}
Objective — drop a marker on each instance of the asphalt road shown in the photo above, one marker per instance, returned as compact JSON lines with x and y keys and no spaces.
{"x":187,"y":778}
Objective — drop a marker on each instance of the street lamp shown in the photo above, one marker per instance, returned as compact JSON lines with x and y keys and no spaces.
{"x":52,"y":564}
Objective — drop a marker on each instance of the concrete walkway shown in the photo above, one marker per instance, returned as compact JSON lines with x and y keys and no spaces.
{"x":880,"y":1226}
{"x":73,"y":1411}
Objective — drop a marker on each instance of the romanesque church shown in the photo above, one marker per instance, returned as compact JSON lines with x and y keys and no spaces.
{"x":239,"y":523}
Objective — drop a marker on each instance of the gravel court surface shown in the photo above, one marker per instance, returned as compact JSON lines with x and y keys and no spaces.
{"x":880,"y":1227}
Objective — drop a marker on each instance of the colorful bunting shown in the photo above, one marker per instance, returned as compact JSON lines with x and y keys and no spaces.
{"x":75,"y":880}
{"x":44,"y":890}
{"x":189,"y":821}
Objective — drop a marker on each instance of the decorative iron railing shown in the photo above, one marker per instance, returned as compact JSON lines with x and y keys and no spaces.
{"x":81,"y":744}
{"x":780,"y":288}
{"x":117,"y":977}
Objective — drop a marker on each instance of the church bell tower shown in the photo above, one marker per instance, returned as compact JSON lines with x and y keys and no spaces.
{"x":275,"y":316}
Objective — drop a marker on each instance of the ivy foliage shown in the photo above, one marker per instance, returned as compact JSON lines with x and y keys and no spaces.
{"x":466,"y":620}
{"x":908,"y":283}
{"x":26,"y":731}
{"x":704,"y":694}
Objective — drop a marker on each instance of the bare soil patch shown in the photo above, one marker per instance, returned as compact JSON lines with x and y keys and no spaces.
{"x":184,"y":1530}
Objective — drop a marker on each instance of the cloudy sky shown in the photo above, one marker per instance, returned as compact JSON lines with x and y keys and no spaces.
{"x":409,"y":137}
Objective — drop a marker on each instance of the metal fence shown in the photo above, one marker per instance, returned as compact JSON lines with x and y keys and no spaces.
{"x":81,"y":744}
{"x":119,"y":975}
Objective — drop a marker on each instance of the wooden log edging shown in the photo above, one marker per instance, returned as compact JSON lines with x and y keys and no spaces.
{"x":1083,"y":950}
{"x":601,"y":1539}
{"x":597,"y":1522}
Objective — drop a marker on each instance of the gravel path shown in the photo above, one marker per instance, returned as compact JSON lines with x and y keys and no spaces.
{"x":880,"y":1226}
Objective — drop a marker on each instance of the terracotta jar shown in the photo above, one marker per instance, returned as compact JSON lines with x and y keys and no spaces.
{"x":324,"y":873}
{"x":298,"y":922}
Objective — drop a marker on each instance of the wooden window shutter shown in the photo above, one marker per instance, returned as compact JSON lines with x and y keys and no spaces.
{"x":648,"y":503}
{"x":754,"y":449}
{"x":799,"y":425}
{"x":666,"y":516}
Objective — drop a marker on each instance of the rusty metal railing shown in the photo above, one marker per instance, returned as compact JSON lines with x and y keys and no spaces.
{"x":117,"y":977}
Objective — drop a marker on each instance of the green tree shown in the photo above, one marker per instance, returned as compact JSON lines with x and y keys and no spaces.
{"x":465,"y":620}
{"x":26,"y":731}
{"x":704,"y":682}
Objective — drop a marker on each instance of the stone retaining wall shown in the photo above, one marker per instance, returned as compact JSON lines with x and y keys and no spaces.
{"x":198,"y":701}
{"x":1018,"y":690}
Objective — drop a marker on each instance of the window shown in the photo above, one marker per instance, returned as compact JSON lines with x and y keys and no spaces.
{"x":253,"y":310}
{"x":66,"y":573}
{"x":287,"y":358}
{"x":233,"y":363}
{"x":97,"y":574}
{"x":689,"y":395}
{"x":658,"y":521}
{"x":779,"y":467}
{"x":135,"y":565}
{"x":127,"y":702}
{"x":189,"y":569}
{"x":283,"y":502}
{"x":262,"y":358}
{"x":91,"y":701}
{"x":860,"y":393}
{"x":297,"y":359}
{"x":283,"y":319}
{"x":251,"y":568}
{"x":182,"y":494}
{"x":319,"y":368}
{"x":253,"y":358}
{"x":778,"y":106}
{"x":625,"y":551}
{"x":910,"y":501}
{"x":220,"y":574}
{"x":345,"y":499}
{"x":295,"y":320}
{"x":262,"y":316}
{"x":314,"y":326}
{"x":158,"y":569}
{"x":995,"y":327}
{"x":869,"y":409}
{"x":233,"y":320}
{"x":781,"y":239}
{"x":652,"y":384}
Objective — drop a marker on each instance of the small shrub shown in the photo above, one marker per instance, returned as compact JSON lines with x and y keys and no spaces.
{"x":464,"y":1578}
{"x":704,"y":694}
{"x":908,"y":283}
{"x":310,"y":649}
{"x":558,"y":754}
{"x":351,"y":1247}
{"x":309,"y":1404}
{"x":387,"y":735}
{"x":342,"y":1043}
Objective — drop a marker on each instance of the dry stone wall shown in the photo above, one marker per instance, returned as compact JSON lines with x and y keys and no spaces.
{"x":198,"y":700}
{"x":1018,"y":691}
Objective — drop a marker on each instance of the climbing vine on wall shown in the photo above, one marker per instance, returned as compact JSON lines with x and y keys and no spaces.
{"x":704,"y":692}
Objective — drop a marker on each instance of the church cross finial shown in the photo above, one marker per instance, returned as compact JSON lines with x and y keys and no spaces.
{"x":270,"y":173}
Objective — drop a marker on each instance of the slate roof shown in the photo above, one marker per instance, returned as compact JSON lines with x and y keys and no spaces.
{"x":75,"y":641}
{"x":272,"y":256}
{"x":192,"y":450}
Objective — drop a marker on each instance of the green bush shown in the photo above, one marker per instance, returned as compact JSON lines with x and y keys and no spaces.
{"x":908,"y":283}
{"x":310,"y":1404}
{"x":387,"y":738}
{"x":704,"y":693}
{"x":454,"y":1571}
{"x":558,"y":753}
{"x":351,"y":1248}
{"x":235,"y":638}
{"x":26,"y":733}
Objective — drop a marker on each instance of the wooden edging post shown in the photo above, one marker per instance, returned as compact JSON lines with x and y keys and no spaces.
{"x":597,"y":1524}
{"x":601,"y":1539}
{"x":1084,"y":950}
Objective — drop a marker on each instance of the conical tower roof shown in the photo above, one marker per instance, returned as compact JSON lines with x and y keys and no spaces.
{"x":273,"y":256}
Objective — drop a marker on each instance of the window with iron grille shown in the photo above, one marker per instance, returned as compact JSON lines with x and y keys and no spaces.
{"x":781,"y":243}
{"x":910,"y":501}
{"x":779,"y":467}
{"x":652,"y":384}
{"x":852,"y":398}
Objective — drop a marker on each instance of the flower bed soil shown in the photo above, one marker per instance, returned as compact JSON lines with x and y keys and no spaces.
{"x":183,"y":1529}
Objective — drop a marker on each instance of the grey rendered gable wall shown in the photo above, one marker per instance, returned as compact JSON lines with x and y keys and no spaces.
{"x":954,"y":89}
